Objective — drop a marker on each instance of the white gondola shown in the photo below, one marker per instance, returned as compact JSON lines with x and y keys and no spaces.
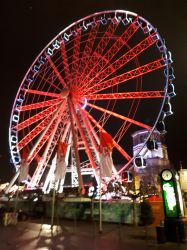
{"x":152,"y":144}
{"x":161,"y":127}
{"x":171,"y":90}
{"x":140,"y":162}
{"x":167,"y":107}
{"x":127,"y":176}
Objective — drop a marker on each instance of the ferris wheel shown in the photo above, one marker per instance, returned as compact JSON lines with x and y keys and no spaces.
{"x":109,"y":71}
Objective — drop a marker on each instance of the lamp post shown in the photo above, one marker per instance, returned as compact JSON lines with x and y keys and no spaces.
{"x":173,"y":206}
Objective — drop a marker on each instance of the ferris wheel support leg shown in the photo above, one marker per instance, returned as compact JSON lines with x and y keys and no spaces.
{"x":12,"y":182}
{"x":100,"y":203}
{"x":81,"y":185}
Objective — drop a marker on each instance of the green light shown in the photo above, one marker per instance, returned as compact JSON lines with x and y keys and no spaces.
{"x":170,"y":199}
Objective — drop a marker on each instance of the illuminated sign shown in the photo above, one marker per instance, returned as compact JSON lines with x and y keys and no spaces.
{"x":169,"y":199}
{"x":180,"y":197}
{"x":183,"y":178}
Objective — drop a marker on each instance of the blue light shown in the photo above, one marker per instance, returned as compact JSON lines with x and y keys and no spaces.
{"x":85,"y":103}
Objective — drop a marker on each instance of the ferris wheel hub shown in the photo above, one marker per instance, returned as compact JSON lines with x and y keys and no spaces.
{"x":65,"y":93}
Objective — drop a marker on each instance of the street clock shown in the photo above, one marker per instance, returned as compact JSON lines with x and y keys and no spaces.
{"x":166,"y":175}
{"x":171,"y":192}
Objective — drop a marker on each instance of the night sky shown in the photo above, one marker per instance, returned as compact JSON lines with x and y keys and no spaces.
{"x":28,"y":26}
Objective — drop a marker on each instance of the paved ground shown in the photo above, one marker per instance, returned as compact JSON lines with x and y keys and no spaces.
{"x":76,"y":235}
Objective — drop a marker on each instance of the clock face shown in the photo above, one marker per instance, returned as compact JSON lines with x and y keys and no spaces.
{"x":166,"y":175}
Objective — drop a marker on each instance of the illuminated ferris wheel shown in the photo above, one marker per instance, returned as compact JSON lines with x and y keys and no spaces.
{"x":110,"y":72}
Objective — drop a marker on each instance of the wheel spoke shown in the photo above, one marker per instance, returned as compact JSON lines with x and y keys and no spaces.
{"x":36,"y":131}
{"x":124,"y":59}
{"x":75,"y":58}
{"x":103,"y":42}
{"x":36,"y":118}
{"x":48,"y":79}
{"x":122,"y":40}
{"x":147,"y":68}
{"x":88,"y":49}
{"x":57,"y":72}
{"x":65,"y":136}
{"x":90,"y":130}
{"x":42,"y":93}
{"x":65,"y":62}
{"x":82,"y":134}
{"x":127,"y":95}
{"x":39,"y":105}
{"x":142,"y":125}
{"x":102,"y":61}
{"x":116,"y":145}
{"x":51,"y":144}
{"x":45,"y":135}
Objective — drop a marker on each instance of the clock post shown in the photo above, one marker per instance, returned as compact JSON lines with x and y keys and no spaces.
{"x":173,"y":206}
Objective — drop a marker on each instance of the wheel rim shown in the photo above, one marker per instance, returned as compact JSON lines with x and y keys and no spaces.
{"x":113,"y":66}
